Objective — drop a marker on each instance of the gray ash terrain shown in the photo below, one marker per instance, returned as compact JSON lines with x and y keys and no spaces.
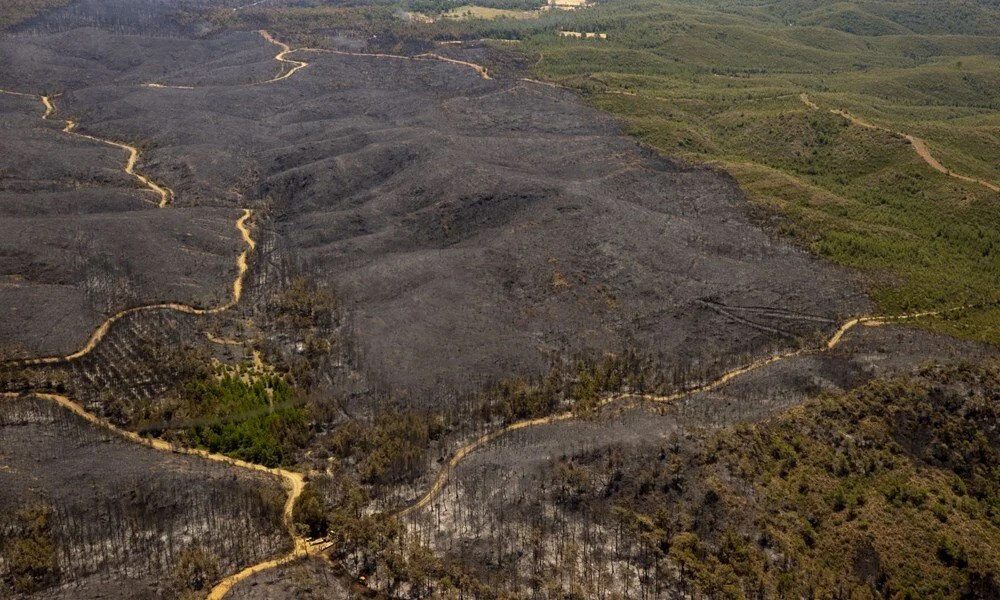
{"x":476,"y":228}
{"x":346,"y":269}
{"x":473,"y":228}
{"x":91,"y":502}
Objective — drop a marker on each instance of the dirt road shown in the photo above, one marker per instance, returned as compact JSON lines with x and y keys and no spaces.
{"x":919,"y":146}
{"x":102,"y":330}
{"x":445,"y":473}
{"x":280,"y":57}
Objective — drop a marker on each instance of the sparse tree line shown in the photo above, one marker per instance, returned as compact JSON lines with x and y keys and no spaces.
{"x":889,"y":491}
{"x":162,"y":526}
{"x":128,"y":17}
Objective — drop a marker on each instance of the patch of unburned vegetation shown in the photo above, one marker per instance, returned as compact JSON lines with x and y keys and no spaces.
{"x":244,"y":412}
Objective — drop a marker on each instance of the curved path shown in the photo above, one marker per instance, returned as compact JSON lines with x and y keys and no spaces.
{"x":165,"y":86}
{"x":163,"y":192}
{"x":294,"y":482}
{"x":297,"y":65}
{"x":283,"y":50}
{"x":872,"y":320}
{"x":103,"y":328}
{"x":919,"y":146}
{"x":165,"y":195}
{"x":481,"y":70}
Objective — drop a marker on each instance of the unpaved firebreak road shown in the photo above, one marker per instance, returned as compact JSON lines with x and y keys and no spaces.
{"x":294,"y":482}
{"x":919,"y":146}
{"x":165,"y":194}
{"x":297,"y":65}
{"x":445,"y":473}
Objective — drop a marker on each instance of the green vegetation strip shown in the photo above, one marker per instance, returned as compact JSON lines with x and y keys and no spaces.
{"x":250,"y":416}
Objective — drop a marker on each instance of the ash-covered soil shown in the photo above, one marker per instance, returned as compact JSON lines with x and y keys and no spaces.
{"x":110,"y":500}
{"x":509,"y":488}
{"x":474,"y":229}
{"x":478,"y":228}
{"x":82,"y":240}
{"x":307,"y":579}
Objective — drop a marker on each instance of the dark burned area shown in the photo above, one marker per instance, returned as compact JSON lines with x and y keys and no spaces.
{"x":474,"y":229}
{"x":424,"y":237}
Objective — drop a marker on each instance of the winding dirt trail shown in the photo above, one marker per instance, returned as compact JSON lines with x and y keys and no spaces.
{"x":19,"y":94}
{"x":104,"y":327}
{"x":919,"y":146}
{"x":165,"y":86}
{"x":297,"y":65}
{"x":873,"y":320}
{"x":165,"y":193}
{"x":294,"y":483}
{"x":477,"y":68}
{"x":283,"y":50}
{"x":481,"y":70}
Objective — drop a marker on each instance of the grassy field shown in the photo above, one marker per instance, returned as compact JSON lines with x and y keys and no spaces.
{"x":485,"y":12}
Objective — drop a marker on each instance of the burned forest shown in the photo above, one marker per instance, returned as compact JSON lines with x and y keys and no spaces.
{"x":408,"y":299}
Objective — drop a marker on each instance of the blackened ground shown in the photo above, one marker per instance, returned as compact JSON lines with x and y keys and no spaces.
{"x":112,"y":500}
{"x":478,"y":228}
{"x":505,"y":489}
{"x":474,"y":228}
